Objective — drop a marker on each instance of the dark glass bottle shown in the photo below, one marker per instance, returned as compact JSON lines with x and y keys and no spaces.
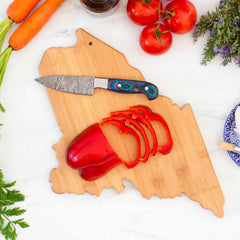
{"x":99,"y":6}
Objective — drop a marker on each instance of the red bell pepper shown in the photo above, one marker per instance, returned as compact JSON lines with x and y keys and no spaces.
{"x":156,"y":117}
{"x":90,"y":148}
{"x":94,"y":172}
{"x":127,"y":130}
{"x":128,"y":120}
{"x":143,"y":120}
{"x":91,"y":153}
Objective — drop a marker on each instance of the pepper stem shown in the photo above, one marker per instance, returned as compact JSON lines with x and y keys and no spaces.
{"x":5,"y":26}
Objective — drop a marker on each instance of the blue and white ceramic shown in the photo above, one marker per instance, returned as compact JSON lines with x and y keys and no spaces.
{"x":230,"y":136}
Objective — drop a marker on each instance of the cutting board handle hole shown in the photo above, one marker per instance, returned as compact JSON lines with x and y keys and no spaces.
{"x":90,"y":43}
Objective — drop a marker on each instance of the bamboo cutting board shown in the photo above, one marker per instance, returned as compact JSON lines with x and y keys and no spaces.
{"x":187,"y":169}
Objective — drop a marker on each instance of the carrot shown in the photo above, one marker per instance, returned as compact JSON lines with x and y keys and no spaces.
{"x":27,"y":30}
{"x":30,"y":27}
{"x":18,"y":10}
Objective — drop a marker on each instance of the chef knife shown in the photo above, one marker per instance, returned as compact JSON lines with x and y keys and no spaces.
{"x":86,"y":85}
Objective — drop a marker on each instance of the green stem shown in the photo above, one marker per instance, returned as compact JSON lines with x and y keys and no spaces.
{"x":2,"y":109}
{"x":147,"y":2}
{"x":5,"y":26}
{"x":4,"y":22}
{"x":159,"y":14}
{"x":157,"y":31}
{"x":4,"y":58}
{"x":10,"y":222}
{"x":169,"y":14}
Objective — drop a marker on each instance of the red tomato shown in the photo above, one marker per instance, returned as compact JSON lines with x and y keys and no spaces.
{"x":143,"y":12}
{"x":184,"y":16}
{"x":153,"y":45}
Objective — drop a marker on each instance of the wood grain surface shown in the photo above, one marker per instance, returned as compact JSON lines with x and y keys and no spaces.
{"x":187,"y":169}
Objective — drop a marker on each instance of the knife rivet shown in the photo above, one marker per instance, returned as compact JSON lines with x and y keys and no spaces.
{"x":119,"y":85}
{"x":146,"y":88}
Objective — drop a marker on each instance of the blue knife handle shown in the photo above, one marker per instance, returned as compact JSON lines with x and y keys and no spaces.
{"x":133,"y":86}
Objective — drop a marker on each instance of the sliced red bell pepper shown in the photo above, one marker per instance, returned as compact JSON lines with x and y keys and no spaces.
{"x":94,"y":172}
{"x":127,"y":130}
{"x":128,"y":120}
{"x":90,"y":148}
{"x":143,"y":120}
{"x":147,"y":112}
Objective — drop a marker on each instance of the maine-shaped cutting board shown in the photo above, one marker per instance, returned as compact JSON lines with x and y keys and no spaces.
{"x":187,"y":169}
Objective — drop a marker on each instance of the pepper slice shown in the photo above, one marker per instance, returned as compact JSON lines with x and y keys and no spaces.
{"x":127,"y":130}
{"x":143,"y":120}
{"x":136,"y":124}
{"x":147,"y":112}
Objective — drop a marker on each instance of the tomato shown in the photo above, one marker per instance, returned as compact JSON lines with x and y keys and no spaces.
{"x":152,"y":43}
{"x":143,"y":12}
{"x":184,"y":16}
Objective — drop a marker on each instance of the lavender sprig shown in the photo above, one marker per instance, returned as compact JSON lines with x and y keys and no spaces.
{"x":223,"y":29}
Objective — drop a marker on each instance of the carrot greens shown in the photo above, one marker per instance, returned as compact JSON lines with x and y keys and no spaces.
{"x":4,"y":28}
{"x":4,"y":57}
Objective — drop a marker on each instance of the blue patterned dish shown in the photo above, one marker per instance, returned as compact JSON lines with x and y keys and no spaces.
{"x":230,"y":136}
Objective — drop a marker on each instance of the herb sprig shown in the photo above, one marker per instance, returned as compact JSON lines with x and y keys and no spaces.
{"x":8,"y":198}
{"x":223,"y":29}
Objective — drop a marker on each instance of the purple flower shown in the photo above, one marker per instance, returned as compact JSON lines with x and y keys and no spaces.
{"x":221,"y":3}
{"x":211,"y":33}
{"x":195,"y":30}
{"x":234,"y":23}
{"x":224,"y":52}
{"x":225,"y":49}
{"x":227,"y":3}
{"x":237,"y":62}
{"x":238,"y":19}
{"x":215,"y":49}
{"x":220,"y":20}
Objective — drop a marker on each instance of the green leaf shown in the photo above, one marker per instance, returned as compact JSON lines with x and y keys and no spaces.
{"x":8,"y":185}
{"x":1,"y":222}
{"x":7,"y":231}
{"x":21,"y":223}
{"x":9,"y":197}
{"x":14,"y":212}
{"x":2,"y":109}
{"x":222,"y":27}
{"x":15,"y":196}
{"x":13,"y":234}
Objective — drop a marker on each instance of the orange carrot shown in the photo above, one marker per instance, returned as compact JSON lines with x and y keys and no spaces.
{"x":27,"y":30}
{"x":18,"y":10}
{"x":30,"y":27}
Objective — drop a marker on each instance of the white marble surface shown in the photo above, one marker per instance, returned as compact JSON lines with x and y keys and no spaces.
{"x":30,"y":129}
